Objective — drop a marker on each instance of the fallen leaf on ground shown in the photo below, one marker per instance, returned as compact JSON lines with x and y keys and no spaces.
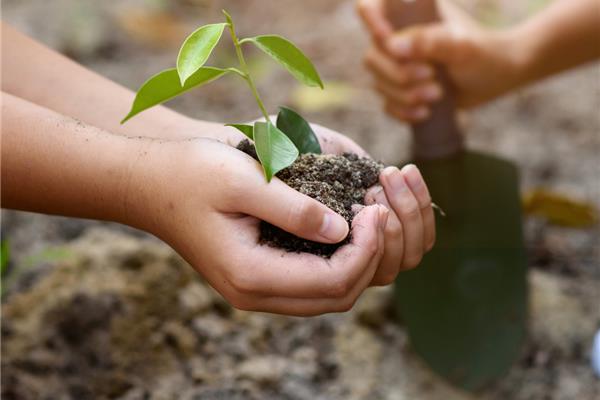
{"x":559,"y":209}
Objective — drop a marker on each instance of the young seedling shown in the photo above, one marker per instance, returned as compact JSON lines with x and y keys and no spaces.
{"x":277,"y":145}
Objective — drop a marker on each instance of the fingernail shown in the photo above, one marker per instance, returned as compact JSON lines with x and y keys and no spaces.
{"x":431,"y":93}
{"x":413,"y":177}
{"x":400,"y":46}
{"x":372,"y":195}
{"x":395,"y":180}
{"x":334,"y":227}
{"x":423,"y":72}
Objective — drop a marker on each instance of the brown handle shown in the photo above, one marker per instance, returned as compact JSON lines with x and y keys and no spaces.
{"x":439,"y":135}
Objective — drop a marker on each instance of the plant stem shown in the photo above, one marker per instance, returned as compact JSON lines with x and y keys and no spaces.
{"x":246,"y":71}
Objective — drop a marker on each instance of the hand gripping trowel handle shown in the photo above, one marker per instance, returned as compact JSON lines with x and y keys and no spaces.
{"x":439,"y":135}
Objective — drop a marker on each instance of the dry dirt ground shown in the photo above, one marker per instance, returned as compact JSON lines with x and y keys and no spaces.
{"x":95,"y":310}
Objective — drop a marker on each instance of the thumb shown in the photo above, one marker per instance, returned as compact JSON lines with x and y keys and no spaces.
{"x":373,"y":15}
{"x":294,"y":212}
{"x":434,"y":42}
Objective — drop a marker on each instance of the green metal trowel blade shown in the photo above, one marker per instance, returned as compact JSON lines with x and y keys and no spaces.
{"x":465,"y":306}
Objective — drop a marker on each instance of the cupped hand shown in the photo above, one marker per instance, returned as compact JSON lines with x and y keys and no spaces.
{"x":410,"y":229}
{"x":206,"y":199}
{"x":479,"y":61}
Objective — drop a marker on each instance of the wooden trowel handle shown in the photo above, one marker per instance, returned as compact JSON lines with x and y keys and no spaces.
{"x":439,"y":135}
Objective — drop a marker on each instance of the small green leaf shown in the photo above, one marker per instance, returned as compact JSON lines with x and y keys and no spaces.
{"x":4,"y":257}
{"x":165,"y":85}
{"x":298,"y":130}
{"x":197,"y":48}
{"x":274,"y":149}
{"x":247,"y":130}
{"x":291,"y":57}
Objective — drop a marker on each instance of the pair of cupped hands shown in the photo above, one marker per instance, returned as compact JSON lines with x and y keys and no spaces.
{"x":219,"y":196}
{"x":214,"y":196}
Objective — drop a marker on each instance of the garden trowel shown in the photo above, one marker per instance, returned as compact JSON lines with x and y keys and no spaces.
{"x":465,"y":306}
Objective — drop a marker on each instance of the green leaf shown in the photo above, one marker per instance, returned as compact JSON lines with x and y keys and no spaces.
{"x":165,"y":85}
{"x":274,"y":149}
{"x":247,"y":130}
{"x":291,"y":57}
{"x":197,"y":48}
{"x":298,"y":130}
{"x":4,"y":257}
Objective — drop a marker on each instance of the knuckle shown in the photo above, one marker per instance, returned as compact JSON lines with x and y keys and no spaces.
{"x":239,"y":303}
{"x":412,"y":261}
{"x":339,"y":288}
{"x":411,"y":211}
{"x":411,"y":98}
{"x":237,"y":190}
{"x":369,"y":57}
{"x":394,"y":230}
{"x":385,"y":279}
{"x":388,"y":280}
{"x":303,"y":215}
{"x":400,"y":77}
{"x":345,"y":305}
{"x":243,"y":283}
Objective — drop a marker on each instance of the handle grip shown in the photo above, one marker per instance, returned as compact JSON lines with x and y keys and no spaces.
{"x":439,"y":136}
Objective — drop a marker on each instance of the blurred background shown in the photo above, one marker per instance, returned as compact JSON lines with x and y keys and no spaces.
{"x":97,"y":310}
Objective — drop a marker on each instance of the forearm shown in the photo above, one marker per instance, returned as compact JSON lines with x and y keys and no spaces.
{"x":53,"y":164}
{"x":564,"y":35}
{"x":42,"y":76}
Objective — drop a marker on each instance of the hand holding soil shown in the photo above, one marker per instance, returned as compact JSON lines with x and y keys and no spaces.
{"x":207,"y":200}
{"x":182,"y":180}
{"x":352,"y":178}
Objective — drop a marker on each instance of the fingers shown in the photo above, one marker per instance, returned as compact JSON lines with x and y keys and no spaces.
{"x":407,"y":87}
{"x":431,"y":42}
{"x":373,"y":15}
{"x":419,"y":189}
{"x":408,"y":209}
{"x":396,"y":72}
{"x":394,"y":241}
{"x":360,"y":250}
{"x":290,"y":210}
{"x":402,"y":65}
{"x":304,"y":284}
{"x":334,"y":143}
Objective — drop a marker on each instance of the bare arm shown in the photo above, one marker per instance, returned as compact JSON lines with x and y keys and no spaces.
{"x":483,"y":63}
{"x":188,"y":192}
{"x":42,"y":76}
{"x":56,"y":165}
{"x":563,"y":36}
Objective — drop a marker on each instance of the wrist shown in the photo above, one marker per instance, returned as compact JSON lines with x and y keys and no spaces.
{"x":138,"y":191}
{"x":523,"y":54}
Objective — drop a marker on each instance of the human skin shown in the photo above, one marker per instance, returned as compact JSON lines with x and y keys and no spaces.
{"x":202,"y":197}
{"x":482,"y":63}
{"x":410,"y":230}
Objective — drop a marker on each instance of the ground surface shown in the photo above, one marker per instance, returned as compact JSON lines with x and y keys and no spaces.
{"x":96,"y":310}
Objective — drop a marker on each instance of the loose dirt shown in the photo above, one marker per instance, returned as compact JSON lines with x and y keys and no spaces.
{"x":338,"y":181}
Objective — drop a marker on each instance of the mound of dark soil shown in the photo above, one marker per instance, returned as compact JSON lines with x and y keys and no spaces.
{"x":338,"y":181}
